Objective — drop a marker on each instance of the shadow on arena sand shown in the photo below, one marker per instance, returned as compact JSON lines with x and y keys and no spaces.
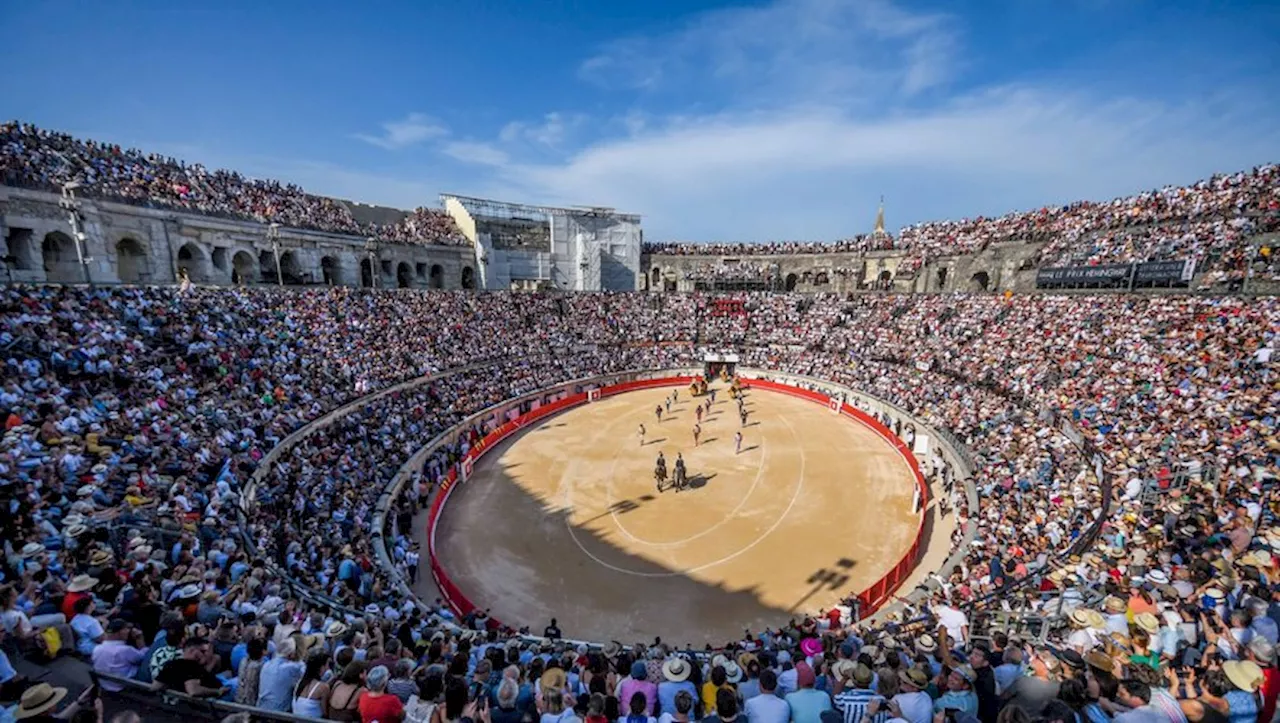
{"x":523,"y":558}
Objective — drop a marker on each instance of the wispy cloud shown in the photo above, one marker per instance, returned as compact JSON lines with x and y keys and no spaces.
{"x":411,"y":130}
{"x":484,"y":154}
{"x":552,"y":131}
{"x":819,"y":50}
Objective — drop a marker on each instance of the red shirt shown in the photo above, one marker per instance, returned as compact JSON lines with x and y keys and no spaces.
{"x":69,"y":603}
{"x":382,"y":708}
{"x":833,"y":618}
{"x":1270,"y":689}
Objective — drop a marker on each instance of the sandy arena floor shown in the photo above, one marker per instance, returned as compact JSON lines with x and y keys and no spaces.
{"x":563,"y":520}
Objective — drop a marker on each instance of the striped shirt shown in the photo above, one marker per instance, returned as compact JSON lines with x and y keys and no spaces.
{"x":853,"y":705}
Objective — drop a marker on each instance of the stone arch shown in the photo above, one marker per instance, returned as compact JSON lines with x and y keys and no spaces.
{"x":220,"y":260}
{"x":330,"y":274}
{"x":885,"y":279}
{"x":192,"y":258}
{"x":821,"y":278}
{"x":267,"y":266}
{"x":58,"y":252}
{"x":366,"y":274}
{"x":132,"y":264}
{"x":980,"y":281}
{"x":244,"y":268}
{"x":942,"y":278}
{"x":20,"y":249}
{"x":468,"y":277}
{"x":404,"y":275}
{"x":436,"y":276}
{"x":791,"y":282}
{"x":420,"y":271}
{"x":290,"y":269}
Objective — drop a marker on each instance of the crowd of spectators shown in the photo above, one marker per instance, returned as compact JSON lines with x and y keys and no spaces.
{"x":135,"y":419}
{"x":741,"y":271}
{"x":1207,"y":221}
{"x":855,"y":244}
{"x":44,"y":159}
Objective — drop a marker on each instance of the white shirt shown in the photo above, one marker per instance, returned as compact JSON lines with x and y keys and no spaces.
{"x":767,"y":708}
{"x":954,"y":621}
{"x":916,"y":707}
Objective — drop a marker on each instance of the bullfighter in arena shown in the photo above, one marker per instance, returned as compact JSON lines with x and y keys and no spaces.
{"x":641,"y":435}
{"x":697,"y":432}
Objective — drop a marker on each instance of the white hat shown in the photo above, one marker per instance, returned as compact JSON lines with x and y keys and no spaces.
{"x":732,"y":672}
{"x":31,"y":549}
{"x":1158,"y":577}
{"x":676,"y":670}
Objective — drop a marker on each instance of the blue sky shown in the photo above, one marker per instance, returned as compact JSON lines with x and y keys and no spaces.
{"x":716,"y":121}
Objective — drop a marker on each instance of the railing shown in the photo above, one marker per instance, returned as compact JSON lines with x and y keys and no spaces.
{"x":179,"y":705}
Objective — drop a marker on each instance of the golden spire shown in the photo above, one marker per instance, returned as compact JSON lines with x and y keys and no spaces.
{"x":880,"y":219}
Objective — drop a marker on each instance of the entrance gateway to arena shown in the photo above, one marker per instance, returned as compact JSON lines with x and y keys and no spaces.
{"x":716,"y":365}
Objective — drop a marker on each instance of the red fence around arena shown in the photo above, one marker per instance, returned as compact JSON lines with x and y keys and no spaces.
{"x":870,"y":599}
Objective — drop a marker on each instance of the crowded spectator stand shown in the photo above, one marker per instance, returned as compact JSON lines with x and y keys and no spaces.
{"x":130,"y":475}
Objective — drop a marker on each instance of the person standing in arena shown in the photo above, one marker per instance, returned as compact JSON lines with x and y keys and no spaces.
{"x":657,"y":411}
{"x":698,"y":412}
{"x":641,"y":435}
{"x":737,"y":443}
{"x":697,"y":432}
{"x":742,"y":415}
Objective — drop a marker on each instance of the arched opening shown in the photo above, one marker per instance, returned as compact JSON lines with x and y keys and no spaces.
{"x":791,"y":282}
{"x":404,"y":276}
{"x":420,"y":271}
{"x":885,"y":279}
{"x":59,"y":255}
{"x":131,"y":261}
{"x":244,"y":270}
{"x":437,"y":276}
{"x":468,"y":277}
{"x":191,"y":259}
{"x":821,"y":278}
{"x":290,"y":269}
{"x":657,"y":276}
{"x":220,"y":259}
{"x":267,"y":266}
{"x":329,"y":271}
{"x":980,"y":281}
{"x":366,"y":274}
{"x":19,"y":252}
{"x":942,"y":278}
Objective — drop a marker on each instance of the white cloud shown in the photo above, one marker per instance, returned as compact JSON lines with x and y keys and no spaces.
{"x":839,"y":50}
{"x":411,"y":130}
{"x":817,"y":173}
{"x":551,"y":132}
{"x":483,"y":154}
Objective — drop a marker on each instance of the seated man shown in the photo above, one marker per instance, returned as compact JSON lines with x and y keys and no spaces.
{"x":187,"y":674}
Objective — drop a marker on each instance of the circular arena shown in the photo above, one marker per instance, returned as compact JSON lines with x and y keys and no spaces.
{"x":236,"y":483}
{"x":588,"y":537}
